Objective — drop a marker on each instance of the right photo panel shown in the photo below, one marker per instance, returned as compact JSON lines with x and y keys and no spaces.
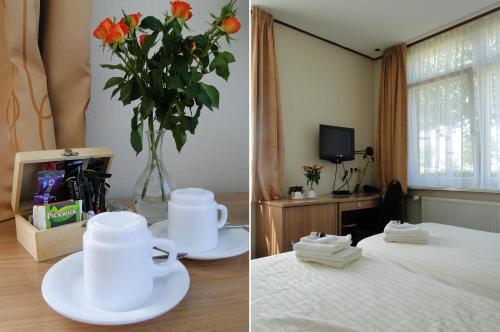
{"x":375,"y":165}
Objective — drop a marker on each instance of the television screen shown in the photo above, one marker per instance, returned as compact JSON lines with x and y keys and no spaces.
{"x":336,"y":144}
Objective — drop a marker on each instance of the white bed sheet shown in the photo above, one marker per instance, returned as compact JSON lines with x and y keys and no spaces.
{"x":288,"y":295}
{"x":461,"y":257}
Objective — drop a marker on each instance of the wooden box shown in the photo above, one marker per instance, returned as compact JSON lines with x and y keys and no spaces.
{"x":52,"y":242}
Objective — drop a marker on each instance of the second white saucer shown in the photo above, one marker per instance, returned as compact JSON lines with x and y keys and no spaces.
{"x":232,"y":242}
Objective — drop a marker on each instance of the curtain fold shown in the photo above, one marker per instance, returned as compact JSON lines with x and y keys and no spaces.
{"x":26,"y":89}
{"x":392,"y":123}
{"x":267,"y":151}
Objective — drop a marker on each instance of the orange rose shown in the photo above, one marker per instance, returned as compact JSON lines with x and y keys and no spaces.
{"x":181,"y":9}
{"x":231,"y":25}
{"x":102,"y":30}
{"x":142,"y":39}
{"x":134,"y":20}
{"x":117,"y":33}
{"x":193,"y":47}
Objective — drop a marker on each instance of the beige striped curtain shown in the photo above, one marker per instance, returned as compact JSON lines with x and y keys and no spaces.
{"x":44,"y":80}
{"x":392,"y":127}
{"x":267,"y":151}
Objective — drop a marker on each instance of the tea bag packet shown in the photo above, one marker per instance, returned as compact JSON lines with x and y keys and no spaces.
{"x":49,"y":187}
{"x":97,"y":186}
{"x":57,"y":214}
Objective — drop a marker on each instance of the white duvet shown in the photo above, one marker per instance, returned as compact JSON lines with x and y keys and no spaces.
{"x":461,"y":257}
{"x":288,"y":295}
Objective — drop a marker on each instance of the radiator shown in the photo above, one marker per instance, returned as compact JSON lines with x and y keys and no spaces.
{"x":483,"y":216}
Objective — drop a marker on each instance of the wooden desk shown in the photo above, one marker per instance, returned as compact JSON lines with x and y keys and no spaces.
{"x":217,"y":299}
{"x":280,"y":222}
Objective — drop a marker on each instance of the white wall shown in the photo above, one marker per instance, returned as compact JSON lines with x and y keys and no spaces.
{"x":216,"y":158}
{"x":321,"y":84}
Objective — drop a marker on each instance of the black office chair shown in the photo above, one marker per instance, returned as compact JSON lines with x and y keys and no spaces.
{"x":390,"y":205}
{"x":390,"y":208}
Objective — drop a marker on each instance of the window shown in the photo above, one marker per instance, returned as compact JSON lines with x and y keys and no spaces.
{"x":454,"y":108}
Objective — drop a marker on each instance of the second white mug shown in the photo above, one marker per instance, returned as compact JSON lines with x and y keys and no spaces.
{"x":193,"y":223}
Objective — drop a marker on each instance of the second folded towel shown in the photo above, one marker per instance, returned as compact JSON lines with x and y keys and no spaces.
{"x":394,"y":231}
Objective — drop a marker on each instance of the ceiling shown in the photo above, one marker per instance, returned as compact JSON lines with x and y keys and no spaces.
{"x":364,"y":25}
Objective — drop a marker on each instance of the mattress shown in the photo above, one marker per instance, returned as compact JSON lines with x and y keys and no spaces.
{"x":461,"y":257}
{"x":288,"y":295}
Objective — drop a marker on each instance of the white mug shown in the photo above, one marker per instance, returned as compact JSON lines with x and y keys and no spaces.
{"x":192,"y":219}
{"x":118,"y":269}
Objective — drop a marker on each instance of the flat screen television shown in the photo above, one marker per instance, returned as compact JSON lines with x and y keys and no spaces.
{"x":336,"y":144}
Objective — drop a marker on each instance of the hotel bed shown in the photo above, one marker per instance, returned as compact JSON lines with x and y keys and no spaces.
{"x":464,"y":258}
{"x":288,"y":295}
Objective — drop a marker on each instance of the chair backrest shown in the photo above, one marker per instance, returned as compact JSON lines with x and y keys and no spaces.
{"x":390,"y":205}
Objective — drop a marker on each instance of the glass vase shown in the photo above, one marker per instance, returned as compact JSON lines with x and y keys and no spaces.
{"x":154,"y":186}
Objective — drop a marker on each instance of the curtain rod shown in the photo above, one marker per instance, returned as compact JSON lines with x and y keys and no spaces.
{"x":453,"y":26}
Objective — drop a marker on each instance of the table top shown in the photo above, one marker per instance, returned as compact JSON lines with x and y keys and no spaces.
{"x":321,"y":200}
{"x":217,"y":298}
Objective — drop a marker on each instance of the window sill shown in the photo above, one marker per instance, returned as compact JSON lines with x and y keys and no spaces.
{"x":472,"y":190}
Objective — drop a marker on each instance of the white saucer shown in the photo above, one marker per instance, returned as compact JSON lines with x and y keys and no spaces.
{"x":62,"y":289}
{"x":232,"y":242}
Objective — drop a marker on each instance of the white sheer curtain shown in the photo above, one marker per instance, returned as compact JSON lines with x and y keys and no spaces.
{"x":454,"y":108}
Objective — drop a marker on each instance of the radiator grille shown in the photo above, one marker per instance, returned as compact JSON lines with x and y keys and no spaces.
{"x":483,"y":216}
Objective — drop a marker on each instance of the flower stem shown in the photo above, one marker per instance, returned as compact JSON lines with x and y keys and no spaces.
{"x":155,"y":161}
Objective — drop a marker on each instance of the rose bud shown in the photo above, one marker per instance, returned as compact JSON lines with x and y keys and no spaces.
{"x":231,"y":25}
{"x":134,"y":20}
{"x":142,"y":39}
{"x":181,"y":10}
{"x":103,"y":28}
{"x":193,"y":47}
{"x":117,"y":33}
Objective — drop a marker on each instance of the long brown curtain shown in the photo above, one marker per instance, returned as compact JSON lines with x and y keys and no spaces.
{"x":267,"y":152}
{"x":44,"y":80}
{"x":392,"y":127}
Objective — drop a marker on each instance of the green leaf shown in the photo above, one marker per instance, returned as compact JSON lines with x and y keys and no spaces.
{"x":120,"y":67}
{"x":210,"y":92}
{"x":167,"y":121}
{"x":227,"y":9}
{"x":196,"y":76}
{"x":149,"y":41}
{"x":220,"y":64}
{"x":151,"y":23}
{"x":156,"y":78}
{"x":180,"y":138}
{"x":193,"y":90}
{"x":112,"y":82}
{"x":174,"y":82}
{"x":146,"y":107}
{"x":136,"y":133}
{"x":126,"y":92}
{"x":115,"y":91}
{"x":228,"y":56}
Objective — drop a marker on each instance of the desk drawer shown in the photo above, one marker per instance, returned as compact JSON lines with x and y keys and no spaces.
{"x":358,"y":205}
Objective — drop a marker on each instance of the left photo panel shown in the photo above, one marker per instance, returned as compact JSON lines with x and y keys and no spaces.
{"x":124,"y":191}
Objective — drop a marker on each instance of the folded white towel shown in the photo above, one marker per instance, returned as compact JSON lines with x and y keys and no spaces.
{"x":338,"y":260}
{"x":394,"y":231}
{"x":314,"y":238}
{"x":406,"y":239}
{"x":395,"y":227}
{"x":326,"y":248}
